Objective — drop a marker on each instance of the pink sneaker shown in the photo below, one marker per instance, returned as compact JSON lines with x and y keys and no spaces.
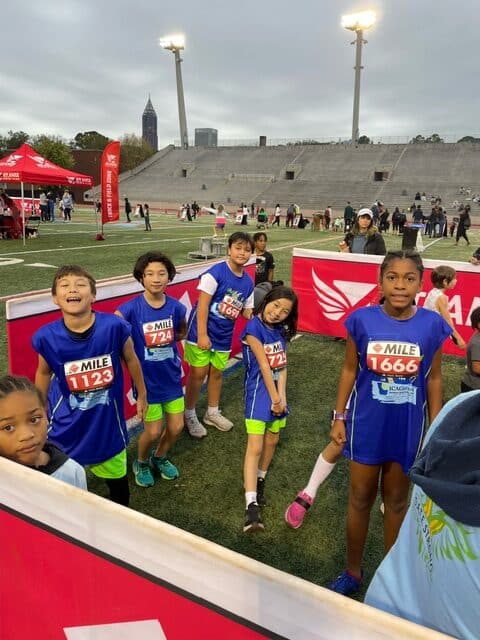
{"x":296,"y":511}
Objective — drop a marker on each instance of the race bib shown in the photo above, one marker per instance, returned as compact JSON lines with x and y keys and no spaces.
{"x":89,"y":374}
{"x":393,"y":358}
{"x":230,"y":307}
{"x":159,"y":333}
{"x":276,"y":355}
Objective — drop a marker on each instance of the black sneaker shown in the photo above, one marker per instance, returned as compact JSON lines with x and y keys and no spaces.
{"x":261,"y":501}
{"x":253,"y":521}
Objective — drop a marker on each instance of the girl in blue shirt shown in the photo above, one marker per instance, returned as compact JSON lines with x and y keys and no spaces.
{"x":264,"y":355}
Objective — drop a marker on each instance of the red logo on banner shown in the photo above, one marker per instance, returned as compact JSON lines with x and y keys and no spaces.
{"x":110,"y":164}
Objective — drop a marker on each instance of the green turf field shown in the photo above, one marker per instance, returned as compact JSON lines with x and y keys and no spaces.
{"x":208,"y":497}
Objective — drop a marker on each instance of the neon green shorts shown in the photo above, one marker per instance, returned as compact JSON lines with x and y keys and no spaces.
{"x":112,"y":468}
{"x":258,"y":427}
{"x":155,"y":411}
{"x":202,"y":358}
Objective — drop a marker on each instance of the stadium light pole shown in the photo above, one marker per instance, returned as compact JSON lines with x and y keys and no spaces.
{"x":358,"y":22}
{"x":176,"y":43}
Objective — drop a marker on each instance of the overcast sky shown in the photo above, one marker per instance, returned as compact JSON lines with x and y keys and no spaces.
{"x":280,"y":68}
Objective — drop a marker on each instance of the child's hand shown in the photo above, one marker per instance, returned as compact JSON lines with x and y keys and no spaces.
{"x":279,"y":408}
{"x":204,"y":343}
{"x":338,"y":433}
{"x":142,"y":407}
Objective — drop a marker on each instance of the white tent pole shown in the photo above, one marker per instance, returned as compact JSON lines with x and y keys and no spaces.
{"x":23,"y":212}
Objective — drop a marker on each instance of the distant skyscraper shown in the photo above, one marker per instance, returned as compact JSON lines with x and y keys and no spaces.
{"x":149,"y":125}
{"x":206,"y":137}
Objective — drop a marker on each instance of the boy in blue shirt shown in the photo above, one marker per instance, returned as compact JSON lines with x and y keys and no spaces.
{"x":226,"y":292}
{"x":158,"y":322}
{"x":83,"y":351}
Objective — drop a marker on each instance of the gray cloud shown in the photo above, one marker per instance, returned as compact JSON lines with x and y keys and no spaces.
{"x":276,"y":68}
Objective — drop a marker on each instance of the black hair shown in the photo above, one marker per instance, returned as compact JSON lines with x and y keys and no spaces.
{"x":153,"y":256}
{"x":258,"y":235}
{"x":475,"y":318}
{"x":241,"y":236}
{"x":73,"y":270}
{"x":441,"y":273}
{"x":12,"y":384}
{"x":414,"y":256}
{"x":277,"y":292}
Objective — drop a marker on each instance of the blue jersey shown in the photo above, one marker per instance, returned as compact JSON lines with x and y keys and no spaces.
{"x":226,"y":306}
{"x":154,"y":337}
{"x":86,"y":395}
{"x":257,"y":399}
{"x":388,"y":405}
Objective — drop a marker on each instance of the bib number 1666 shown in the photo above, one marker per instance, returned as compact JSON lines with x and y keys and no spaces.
{"x":393,"y":365}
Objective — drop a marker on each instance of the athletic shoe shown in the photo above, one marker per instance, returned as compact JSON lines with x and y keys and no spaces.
{"x":345,"y":584}
{"x":194,"y":427}
{"x":261,"y":501}
{"x":297,"y":510}
{"x":218,"y":421}
{"x":164,"y":467}
{"x":143,"y":475}
{"x":253,"y":520}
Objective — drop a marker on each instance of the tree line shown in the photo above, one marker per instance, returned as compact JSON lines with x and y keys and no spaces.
{"x":133,"y":150}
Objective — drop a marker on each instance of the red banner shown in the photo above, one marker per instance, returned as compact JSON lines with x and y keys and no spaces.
{"x":331,"y":285}
{"x":109,"y":172}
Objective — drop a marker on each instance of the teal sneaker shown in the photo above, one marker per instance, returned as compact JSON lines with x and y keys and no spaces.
{"x":142,"y":473}
{"x":164,"y":467}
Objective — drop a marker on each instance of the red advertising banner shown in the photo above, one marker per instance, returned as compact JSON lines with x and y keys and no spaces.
{"x":331,"y":285}
{"x":75,"y":566}
{"x":26,"y":314}
{"x":109,"y":175}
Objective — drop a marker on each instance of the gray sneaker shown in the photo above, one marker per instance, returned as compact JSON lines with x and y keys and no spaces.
{"x":194,"y":427}
{"x":218,"y":421}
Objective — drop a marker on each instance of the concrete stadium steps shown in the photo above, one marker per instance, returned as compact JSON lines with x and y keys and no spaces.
{"x":324,"y":175}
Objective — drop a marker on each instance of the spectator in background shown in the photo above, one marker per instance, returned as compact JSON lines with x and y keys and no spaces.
{"x":128,"y":209}
{"x":327,"y":218}
{"x":395,"y":220}
{"x":364,"y":237}
{"x":67,"y":205}
{"x":51,"y":206}
{"x":44,"y":207}
{"x":463,"y":224}
{"x":348,"y":217}
{"x":290,"y":216}
{"x":146,"y":215}
{"x":276,"y":216}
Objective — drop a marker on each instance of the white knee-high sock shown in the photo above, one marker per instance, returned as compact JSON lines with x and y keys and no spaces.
{"x":320,"y":473}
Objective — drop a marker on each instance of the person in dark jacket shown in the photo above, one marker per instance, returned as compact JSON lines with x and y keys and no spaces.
{"x":463,"y":224}
{"x":364,"y":237}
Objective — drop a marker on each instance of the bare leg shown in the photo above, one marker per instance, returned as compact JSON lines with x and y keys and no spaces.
{"x":151,"y":432}
{"x":250,"y":464}
{"x":195,"y":380}
{"x":395,"y":486}
{"x":214,"y":386}
{"x":270,"y":442}
{"x":170,"y":435}
{"x":362,"y":494}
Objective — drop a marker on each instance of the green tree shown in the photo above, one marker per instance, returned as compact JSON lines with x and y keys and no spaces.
{"x":417,"y":140}
{"x":133,"y":151}
{"x":435,"y":138}
{"x":469,"y":139}
{"x":90,"y":140}
{"x":12,"y":140}
{"x":55,"y":149}
{"x":364,"y":140}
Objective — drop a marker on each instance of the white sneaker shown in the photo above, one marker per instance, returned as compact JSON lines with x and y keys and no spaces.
{"x":194,"y":427}
{"x":218,"y":421}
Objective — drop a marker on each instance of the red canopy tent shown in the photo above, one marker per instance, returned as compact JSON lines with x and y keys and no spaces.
{"x":26,"y":165}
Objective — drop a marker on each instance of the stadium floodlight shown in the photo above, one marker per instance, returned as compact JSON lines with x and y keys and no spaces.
{"x":358,"y":22}
{"x":176,"y":43}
